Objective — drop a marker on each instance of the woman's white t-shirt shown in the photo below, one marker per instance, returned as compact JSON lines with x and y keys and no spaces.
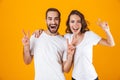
{"x":83,"y":67}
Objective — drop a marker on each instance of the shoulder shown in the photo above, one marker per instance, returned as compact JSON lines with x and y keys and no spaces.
{"x":92,"y":36}
{"x":32,"y":36}
{"x":90,"y":33}
{"x":67,"y":35}
{"x":61,"y":37}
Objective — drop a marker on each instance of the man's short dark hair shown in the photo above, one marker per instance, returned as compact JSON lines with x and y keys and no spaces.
{"x":53,"y":9}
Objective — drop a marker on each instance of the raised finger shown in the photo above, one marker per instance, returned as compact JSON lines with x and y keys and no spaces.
{"x":23,"y":32}
{"x":28,"y":34}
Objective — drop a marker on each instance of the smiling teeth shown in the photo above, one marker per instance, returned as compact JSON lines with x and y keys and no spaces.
{"x":75,"y":29}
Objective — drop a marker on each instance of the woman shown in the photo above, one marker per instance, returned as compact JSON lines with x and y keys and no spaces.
{"x":85,"y":40}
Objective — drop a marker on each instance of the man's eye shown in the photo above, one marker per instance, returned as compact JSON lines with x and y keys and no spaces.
{"x":56,"y":18}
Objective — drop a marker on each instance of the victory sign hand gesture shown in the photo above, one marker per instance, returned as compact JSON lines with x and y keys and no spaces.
{"x":26,"y":39}
{"x":71,"y":47}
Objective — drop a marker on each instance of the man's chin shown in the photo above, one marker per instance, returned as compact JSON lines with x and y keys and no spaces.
{"x":53,"y":31}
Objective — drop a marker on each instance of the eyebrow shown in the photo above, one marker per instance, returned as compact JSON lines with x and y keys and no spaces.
{"x":55,"y":17}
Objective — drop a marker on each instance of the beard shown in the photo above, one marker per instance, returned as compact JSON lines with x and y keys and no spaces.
{"x":53,"y":28}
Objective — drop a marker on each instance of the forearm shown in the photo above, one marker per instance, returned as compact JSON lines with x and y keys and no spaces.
{"x":109,"y":41}
{"x":109,"y":37}
{"x":68,"y":63}
{"x":27,"y":55}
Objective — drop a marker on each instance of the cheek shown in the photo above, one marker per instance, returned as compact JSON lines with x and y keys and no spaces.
{"x":79,"y":25}
{"x":70,"y":24}
{"x":57,"y":22}
{"x":71,"y":28}
{"x":48,"y":22}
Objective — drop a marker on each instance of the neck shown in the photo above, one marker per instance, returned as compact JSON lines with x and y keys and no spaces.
{"x":77,"y":35}
{"x":51,"y":34}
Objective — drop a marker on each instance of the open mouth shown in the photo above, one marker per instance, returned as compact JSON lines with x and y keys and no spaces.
{"x":53,"y":26}
{"x":75,"y":29}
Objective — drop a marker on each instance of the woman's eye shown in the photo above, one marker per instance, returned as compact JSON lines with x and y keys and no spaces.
{"x":72,"y":21}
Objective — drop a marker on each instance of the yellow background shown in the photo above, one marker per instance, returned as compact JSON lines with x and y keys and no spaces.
{"x":29,"y":15}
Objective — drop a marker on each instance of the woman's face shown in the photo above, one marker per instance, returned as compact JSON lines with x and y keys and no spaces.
{"x":75,"y":24}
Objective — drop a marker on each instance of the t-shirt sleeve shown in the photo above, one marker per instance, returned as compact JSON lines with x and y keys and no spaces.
{"x":32,"y":44}
{"x":65,"y":36}
{"x":94,"y":38}
{"x":68,"y":36}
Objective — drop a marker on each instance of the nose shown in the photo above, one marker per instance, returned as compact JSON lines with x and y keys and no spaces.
{"x":53,"y":21}
{"x":75,"y":24}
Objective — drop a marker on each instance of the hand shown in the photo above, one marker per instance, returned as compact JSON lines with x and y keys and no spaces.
{"x":38,"y":33}
{"x":71,"y":48}
{"x":25,"y":39}
{"x":104,"y":25}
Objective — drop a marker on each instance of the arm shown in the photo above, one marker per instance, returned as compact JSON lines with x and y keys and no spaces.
{"x":68,"y":63}
{"x":27,"y":55}
{"x":26,"y":49}
{"x":70,"y":55}
{"x":109,"y":41}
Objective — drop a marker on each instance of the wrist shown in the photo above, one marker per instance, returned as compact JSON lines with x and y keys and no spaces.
{"x":107,"y":30}
{"x":26,"y":46}
{"x":70,"y":56}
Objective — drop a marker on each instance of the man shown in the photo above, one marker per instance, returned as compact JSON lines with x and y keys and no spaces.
{"x":52,"y":53}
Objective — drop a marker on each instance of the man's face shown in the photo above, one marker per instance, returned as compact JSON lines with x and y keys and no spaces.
{"x":53,"y":21}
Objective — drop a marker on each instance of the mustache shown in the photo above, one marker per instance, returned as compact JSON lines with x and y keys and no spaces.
{"x":53,"y":25}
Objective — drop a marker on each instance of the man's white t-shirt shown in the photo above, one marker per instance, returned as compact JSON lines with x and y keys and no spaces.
{"x":83,"y":67}
{"x":49,"y":54}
